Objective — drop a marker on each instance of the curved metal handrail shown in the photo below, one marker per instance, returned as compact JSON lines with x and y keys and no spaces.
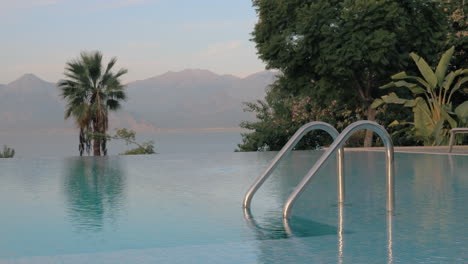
{"x":288,"y":147}
{"x":338,"y":143}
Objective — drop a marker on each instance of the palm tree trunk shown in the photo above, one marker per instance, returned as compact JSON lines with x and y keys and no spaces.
{"x":104,"y":147}
{"x":97,"y":147}
{"x":88,"y":144}
{"x":96,"y":139}
{"x":81,"y":144}
{"x":371,"y":113}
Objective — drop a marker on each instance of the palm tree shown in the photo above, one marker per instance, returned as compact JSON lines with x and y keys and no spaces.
{"x":92,"y":91}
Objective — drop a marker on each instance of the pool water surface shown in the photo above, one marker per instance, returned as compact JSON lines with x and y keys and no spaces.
{"x":187,"y":208}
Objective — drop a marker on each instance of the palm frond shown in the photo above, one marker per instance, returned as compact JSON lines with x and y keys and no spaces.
{"x":91,"y":91}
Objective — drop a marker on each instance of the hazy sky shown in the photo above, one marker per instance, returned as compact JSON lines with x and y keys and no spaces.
{"x":149,"y":37}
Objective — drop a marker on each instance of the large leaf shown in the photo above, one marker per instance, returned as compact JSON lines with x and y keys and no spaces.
{"x":462,"y":110}
{"x":377,"y":102}
{"x":443,"y":65}
{"x":405,"y":84}
{"x":410,"y":103}
{"x":388,"y":85}
{"x":414,"y":88}
{"x":438,"y":134}
{"x":447,"y":117}
{"x":394,"y":123}
{"x":423,"y":121}
{"x":425,"y":70}
{"x":392,"y":98}
{"x":417,"y":90}
{"x":460,"y":82}
{"x":404,"y":76}
{"x":457,"y":86}
{"x":449,"y":80}
{"x":461,"y":72}
{"x":400,"y":76}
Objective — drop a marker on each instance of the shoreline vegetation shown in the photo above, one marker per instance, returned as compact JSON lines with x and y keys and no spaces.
{"x":128,"y":136}
{"x":7,"y":152}
{"x":92,"y":91}
{"x":335,"y":56}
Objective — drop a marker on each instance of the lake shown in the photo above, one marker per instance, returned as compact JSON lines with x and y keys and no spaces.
{"x":64,"y":145}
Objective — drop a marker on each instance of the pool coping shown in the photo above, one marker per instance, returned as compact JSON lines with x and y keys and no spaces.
{"x":439,"y":150}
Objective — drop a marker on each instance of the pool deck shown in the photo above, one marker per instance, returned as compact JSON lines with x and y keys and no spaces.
{"x":457,"y":150}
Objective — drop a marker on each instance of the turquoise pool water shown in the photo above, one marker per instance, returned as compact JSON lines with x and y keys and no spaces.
{"x":187,"y":209}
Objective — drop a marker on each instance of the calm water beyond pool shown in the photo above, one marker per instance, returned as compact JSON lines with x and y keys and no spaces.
{"x":186,"y":208}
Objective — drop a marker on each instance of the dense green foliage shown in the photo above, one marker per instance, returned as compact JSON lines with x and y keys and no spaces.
{"x":458,"y":37}
{"x":431,"y":100}
{"x":7,"y":152}
{"x":344,"y":46}
{"x":338,"y":51}
{"x":278,"y":121}
{"x":91,"y":91}
{"x":458,"y":31}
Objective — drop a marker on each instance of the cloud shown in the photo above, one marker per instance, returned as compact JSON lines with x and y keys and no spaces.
{"x":221,"y":48}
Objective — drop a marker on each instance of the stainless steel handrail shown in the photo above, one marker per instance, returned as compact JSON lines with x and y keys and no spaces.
{"x":288,"y":147}
{"x":337,"y":144}
{"x":453,"y":132}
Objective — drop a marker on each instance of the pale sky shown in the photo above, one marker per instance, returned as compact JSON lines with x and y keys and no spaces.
{"x":149,"y":37}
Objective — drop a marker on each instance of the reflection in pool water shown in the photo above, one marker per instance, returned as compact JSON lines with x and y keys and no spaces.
{"x":94,"y":189}
{"x":275,"y":229}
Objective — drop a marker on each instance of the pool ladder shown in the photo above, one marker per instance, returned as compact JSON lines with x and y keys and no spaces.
{"x":339,"y":140}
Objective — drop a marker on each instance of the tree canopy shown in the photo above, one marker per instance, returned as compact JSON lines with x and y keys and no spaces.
{"x":319,"y":40}
{"x":340,"y":51}
{"x":92,"y":90}
{"x":345,"y":49}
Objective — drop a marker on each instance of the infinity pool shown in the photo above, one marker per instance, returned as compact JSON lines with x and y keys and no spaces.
{"x":187,"y":209}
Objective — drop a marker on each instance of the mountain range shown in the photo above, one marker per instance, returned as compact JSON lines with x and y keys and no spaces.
{"x":191,"y":99}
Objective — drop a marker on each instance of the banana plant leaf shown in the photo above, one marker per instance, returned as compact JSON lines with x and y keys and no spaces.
{"x":425,"y":70}
{"x":462,"y":110}
{"x":439,"y":133}
{"x":392,"y":98}
{"x":443,"y":65}
{"x":446,"y":116}
{"x":423,"y":121}
{"x":404,"y":76}
{"x":377,"y":102}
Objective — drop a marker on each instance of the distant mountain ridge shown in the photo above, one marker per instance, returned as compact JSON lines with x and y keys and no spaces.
{"x":29,"y":103}
{"x":189,"y":99}
{"x":195,"y":98}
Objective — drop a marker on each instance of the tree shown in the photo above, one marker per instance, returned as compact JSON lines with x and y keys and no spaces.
{"x":128,"y":136}
{"x":344,"y":49}
{"x":279,"y":117}
{"x":431,"y":100}
{"x":456,"y":11}
{"x":91,"y":91}
{"x":7,"y":152}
